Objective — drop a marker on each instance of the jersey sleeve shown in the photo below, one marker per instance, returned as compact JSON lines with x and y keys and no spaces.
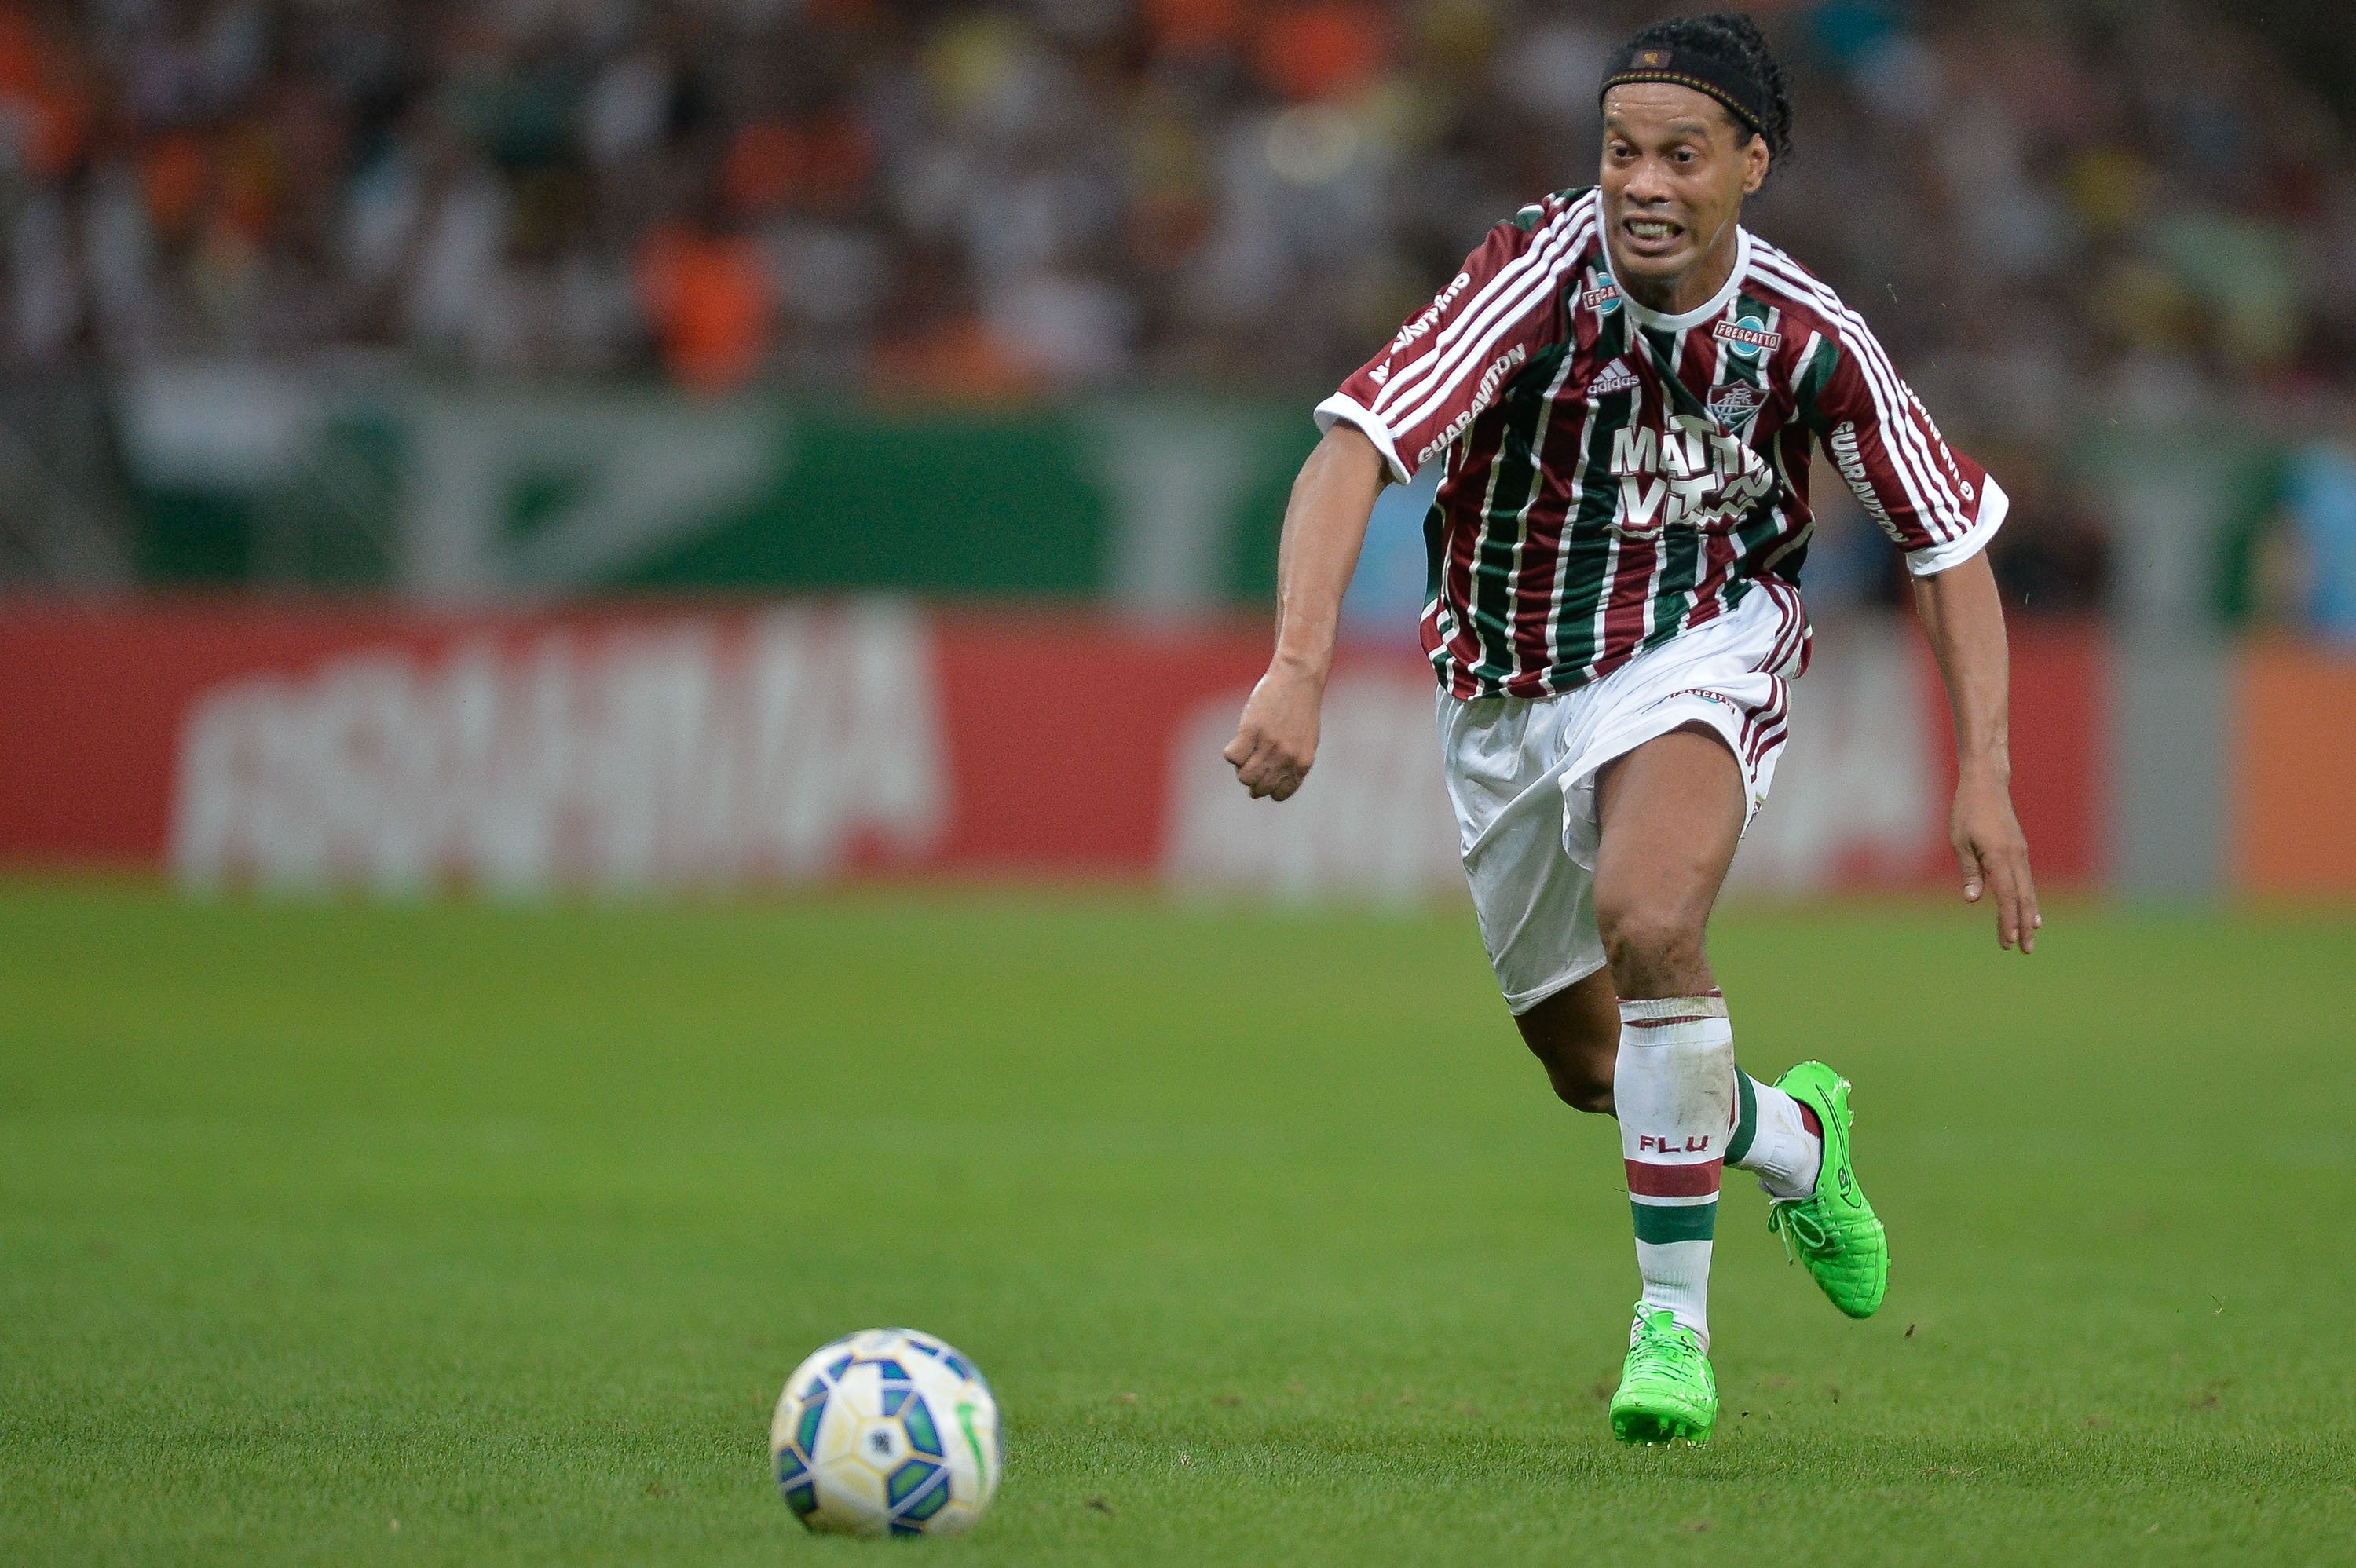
{"x":1936,"y":503}
{"x":1452,"y":358}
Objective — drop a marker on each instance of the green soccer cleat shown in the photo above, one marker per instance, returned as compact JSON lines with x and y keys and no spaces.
{"x":1834,"y":1231}
{"x":1666,"y":1392}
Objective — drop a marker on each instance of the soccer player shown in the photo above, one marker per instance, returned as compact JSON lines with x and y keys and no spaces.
{"x":1622,"y":384}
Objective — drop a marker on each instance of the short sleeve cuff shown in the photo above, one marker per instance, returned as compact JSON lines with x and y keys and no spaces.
{"x":1342,"y":409}
{"x":1939,"y":558}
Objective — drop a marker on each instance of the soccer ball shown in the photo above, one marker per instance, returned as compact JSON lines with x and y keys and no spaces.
{"x":886,"y":1433}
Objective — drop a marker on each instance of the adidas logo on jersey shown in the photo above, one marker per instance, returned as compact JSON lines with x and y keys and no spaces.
{"x":1614,"y":378}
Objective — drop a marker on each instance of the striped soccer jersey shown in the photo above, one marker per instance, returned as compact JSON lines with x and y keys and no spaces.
{"x":1615,"y":476}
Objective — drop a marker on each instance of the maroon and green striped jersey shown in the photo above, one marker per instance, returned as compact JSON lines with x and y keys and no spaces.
{"x":1615,"y":476}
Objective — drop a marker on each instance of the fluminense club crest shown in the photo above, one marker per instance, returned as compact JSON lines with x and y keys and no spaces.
{"x":1733,"y":404}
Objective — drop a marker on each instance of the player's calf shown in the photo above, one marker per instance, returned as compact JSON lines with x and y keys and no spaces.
{"x":1675,"y":1095}
{"x":1575,"y":1035}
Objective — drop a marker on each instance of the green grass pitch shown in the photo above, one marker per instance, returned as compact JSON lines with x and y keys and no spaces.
{"x":464,"y":1235}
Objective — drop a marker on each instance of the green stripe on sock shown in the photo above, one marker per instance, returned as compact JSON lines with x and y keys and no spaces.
{"x":1657,"y":1224}
{"x":1746,"y":1118}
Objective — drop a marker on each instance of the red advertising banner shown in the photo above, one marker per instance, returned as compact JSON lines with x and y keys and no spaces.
{"x":317,"y":745}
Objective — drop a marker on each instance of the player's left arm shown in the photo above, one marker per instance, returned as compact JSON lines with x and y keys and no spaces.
{"x":1942,"y":508}
{"x":1964,"y":618}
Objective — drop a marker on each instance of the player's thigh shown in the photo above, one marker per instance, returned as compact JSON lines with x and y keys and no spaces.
{"x":1536,"y":910}
{"x":1533,"y":900}
{"x":1671,"y":813}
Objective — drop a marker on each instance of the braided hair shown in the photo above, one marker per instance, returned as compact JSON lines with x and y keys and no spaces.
{"x":1734,"y":40}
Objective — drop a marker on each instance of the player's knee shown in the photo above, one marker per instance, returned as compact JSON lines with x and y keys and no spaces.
{"x":1649,"y":945}
{"x":1578,"y":1086}
{"x":1580,"y":1069}
{"x":1576,"y":1042}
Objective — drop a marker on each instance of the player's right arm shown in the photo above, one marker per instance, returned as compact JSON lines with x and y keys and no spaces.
{"x":1402,"y":409}
{"x":1324,"y":528}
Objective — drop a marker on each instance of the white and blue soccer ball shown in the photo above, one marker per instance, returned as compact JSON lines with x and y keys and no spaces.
{"x":886,"y":1433}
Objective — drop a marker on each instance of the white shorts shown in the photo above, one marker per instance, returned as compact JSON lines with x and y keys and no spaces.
{"x":1522,"y":771}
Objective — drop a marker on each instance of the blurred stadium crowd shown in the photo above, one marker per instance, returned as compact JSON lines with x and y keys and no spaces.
{"x":2052,"y":212}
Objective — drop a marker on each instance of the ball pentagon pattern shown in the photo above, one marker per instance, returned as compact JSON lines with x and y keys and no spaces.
{"x":886,"y":1432}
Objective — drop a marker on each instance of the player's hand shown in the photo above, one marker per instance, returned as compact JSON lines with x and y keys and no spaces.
{"x":1277,"y":739}
{"x":1995,"y":859}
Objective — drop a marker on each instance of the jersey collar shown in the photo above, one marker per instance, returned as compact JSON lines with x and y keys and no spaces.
{"x":1713,"y":307}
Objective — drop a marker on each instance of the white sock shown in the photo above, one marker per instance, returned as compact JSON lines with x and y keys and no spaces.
{"x":1779,"y":1148}
{"x":1674,"y":1094}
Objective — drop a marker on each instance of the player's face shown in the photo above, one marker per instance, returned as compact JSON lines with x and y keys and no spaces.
{"x":1675,"y":169}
